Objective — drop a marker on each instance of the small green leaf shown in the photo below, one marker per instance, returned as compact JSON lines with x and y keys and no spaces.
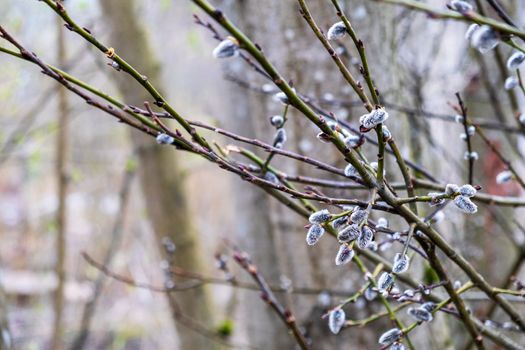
{"x":430,"y":276}
{"x":225,"y":328}
{"x":75,"y":175}
{"x":131,"y":165}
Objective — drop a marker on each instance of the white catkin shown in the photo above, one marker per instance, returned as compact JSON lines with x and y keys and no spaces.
{"x":386,"y":245}
{"x":515,"y":60}
{"x":268,"y":88}
{"x":336,"y":31}
{"x":226,"y":48}
{"x":420,"y":314}
{"x":485,"y":39}
{"x":397,"y":346}
{"x":451,"y":189}
{"x":285,"y":283}
{"x":360,"y":13}
{"x":490,"y":324}
{"x":470,"y":31}
{"x":281,"y":97}
{"x":344,"y":255}
{"x":340,"y":50}
{"x":324,"y":299}
{"x":168,"y":244}
{"x":511,"y":83}
{"x":365,"y":238}
{"x":332,"y":125}
{"x":370,"y":294}
{"x":401,"y":263}
{"x":429,"y":306}
{"x":277,"y":121}
{"x":467,"y":190}
{"x":375,"y":165}
{"x":115,"y":65}
{"x":352,"y":141}
{"x":409,"y":293}
{"x":320,"y":217}
{"x":164,"y":139}
{"x":339,"y":223}
{"x":271,"y":177}
{"x":359,"y":215}
{"x":169,"y":284}
{"x":465,"y":204}
{"x":382,"y":223}
{"x":280,"y":138}
{"x":336,"y":320}
{"x":328,"y":97}
{"x":471,"y":155}
{"x":314,"y":234}
{"x":351,"y":171}
{"x":384,"y":282}
{"x":460,"y":6}
{"x":390,"y":336}
{"x":387,"y":135}
{"x":349,"y":233}
{"x":504,"y":177}
{"x":374,"y":118}
{"x":509,"y":326}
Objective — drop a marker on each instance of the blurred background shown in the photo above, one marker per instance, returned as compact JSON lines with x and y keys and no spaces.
{"x":74,"y":181}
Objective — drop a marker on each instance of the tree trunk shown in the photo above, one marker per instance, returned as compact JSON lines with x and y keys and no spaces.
{"x":160,"y":176}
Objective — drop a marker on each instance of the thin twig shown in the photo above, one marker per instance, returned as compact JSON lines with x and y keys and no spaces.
{"x":284,"y":314}
{"x":470,"y":158}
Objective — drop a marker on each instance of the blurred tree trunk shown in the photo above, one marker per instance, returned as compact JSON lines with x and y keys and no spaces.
{"x":62,"y":151}
{"x":160,"y":176}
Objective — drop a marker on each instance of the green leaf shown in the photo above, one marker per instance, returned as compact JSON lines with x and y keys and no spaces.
{"x":225,"y":328}
{"x":76,"y":175}
{"x":430,"y":276}
{"x":131,"y":165}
